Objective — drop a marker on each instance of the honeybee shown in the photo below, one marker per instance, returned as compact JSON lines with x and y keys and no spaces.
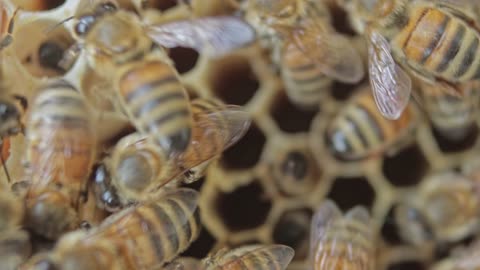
{"x":15,"y":245}
{"x":452,"y":116}
{"x":254,"y":257}
{"x":308,"y":51}
{"x":342,"y":241}
{"x":150,"y":91}
{"x":359,"y":130}
{"x":61,"y":144}
{"x":142,"y":236}
{"x":436,"y":41}
{"x":137,"y":168}
{"x":447,"y":205}
{"x":465,"y":258}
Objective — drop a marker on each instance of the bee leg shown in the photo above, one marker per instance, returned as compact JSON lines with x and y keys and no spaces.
{"x":7,"y":40}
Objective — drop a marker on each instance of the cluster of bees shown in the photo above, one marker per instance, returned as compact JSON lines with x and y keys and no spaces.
{"x":429,"y":46}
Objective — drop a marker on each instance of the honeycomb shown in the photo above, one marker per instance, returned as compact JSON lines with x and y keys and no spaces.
{"x":266,"y":187}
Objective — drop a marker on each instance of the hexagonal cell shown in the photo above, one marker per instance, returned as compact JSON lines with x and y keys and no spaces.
{"x":245,"y":208}
{"x":185,"y":59}
{"x":449,"y":143}
{"x":201,"y":247}
{"x":233,"y":80}
{"x":389,"y":230}
{"x":38,"y":5}
{"x":406,"y":168}
{"x":289,"y":117}
{"x":41,"y":53}
{"x":342,"y":91}
{"x":245,"y":153}
{"x":407,"y":265}
{"x":293,"y":230}
{"x":293,"y":170}
{"x":349,"y":192}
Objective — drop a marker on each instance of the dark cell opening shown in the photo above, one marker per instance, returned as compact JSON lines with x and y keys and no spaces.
{"x":449,"y":143}
{"x":245,"y":208}
{"x":340,"y":21}
{"x":296,"y":165}
{"x":293,"y":230}
{"x":389,"y":230}
{"x":234,"y":81}
{"x":185,"y":59}
{"x":50,"y":54}
{"x":161,"y":5}
{"x":407,"y":265}
{"x":349,"y":192}
{"x":202,"y":246}
{"x":290,"y":118}
{"x":246,"y":152}
{"x":406,"y":168}
{"x":342,"y":91}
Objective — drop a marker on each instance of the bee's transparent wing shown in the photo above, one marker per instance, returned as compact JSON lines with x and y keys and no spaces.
{"x":322,"y":223}
{"x":213,"y":36}
{"x":360,"y":215}
{"x":391,"y":85}
{"x":331,"y":52}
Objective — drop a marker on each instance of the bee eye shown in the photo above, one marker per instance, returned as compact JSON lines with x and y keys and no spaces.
{"x":111,"y":201}
{"x":84,"y":24}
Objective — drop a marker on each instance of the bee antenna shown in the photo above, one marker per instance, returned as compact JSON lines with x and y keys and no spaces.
{"x":51,"y":28}
{"x":4,"y":165}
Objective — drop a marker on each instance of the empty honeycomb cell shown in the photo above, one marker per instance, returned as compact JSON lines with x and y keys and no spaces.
{"x":184,"y":58}
{"x":38,"y":5}
{"x":293,"y":230}
{"x":233,"y":80}
{"x":342,"y":91}
{"x":407,"y":265}
{"x":449,"y":144}
{"x":39,"y":52}
{"x":389,"y":230}
{"x":289,"y":117}
{"x":245,"y":208}
{"x":406,"y":168}
{"x":246,"y":152}
{"x":349,"y":192}
{"x":201,"y":246}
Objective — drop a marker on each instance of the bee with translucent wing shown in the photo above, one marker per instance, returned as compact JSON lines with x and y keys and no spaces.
{"x":142,"y":237}
{"x":359,"y":131}
{"x":342,"y":241}
{"x":149,"y":88}
{"x":137,"y":169}
{"x":437,"y":41}
{"x":61,"y":147}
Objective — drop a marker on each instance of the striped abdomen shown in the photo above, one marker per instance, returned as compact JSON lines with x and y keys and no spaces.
{"x":157,"y":104}
{"x":452,"y":115}
{"x":441,"y":44}
{"x":359,"y":130}
{"x":61,"y":137}
{"x":305,"y":83}
{"x":346,"y":244}
{"x":256,"y":257}
{"x":154,"y":232}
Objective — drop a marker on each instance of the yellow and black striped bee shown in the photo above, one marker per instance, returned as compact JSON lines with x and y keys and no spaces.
{"x":61,"y":148}
{"x":143,"y":236}
{"x":453,"y":116}
{"x":15,"y":246}
{"x":253,"y":257}
{"x":137,"y":169}
{"x":359,"y":131}
{"x":150,"y":90}
{"x":436,"y":41}
{"x":342,"y":241}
